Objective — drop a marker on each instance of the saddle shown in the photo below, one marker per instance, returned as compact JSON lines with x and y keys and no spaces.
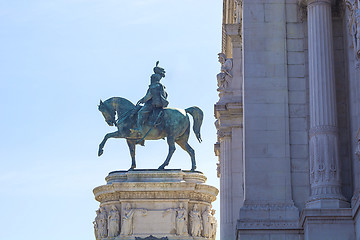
{"x":156,"y":118}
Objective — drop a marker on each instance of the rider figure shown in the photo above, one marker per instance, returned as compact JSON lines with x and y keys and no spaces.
{"x":154,"y":100}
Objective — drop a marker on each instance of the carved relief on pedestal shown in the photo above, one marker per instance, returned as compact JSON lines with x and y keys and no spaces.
{"x":206,"y":220}
{"x":224,"y":78}
{"x":181,"y":220}
{"x":354,"y":26}
{"x":209,"y":223}
{"x":127,"y":219}
{"x":213,"y":224}
{"x":113,"y":222}
{"x":100,"y":224}
{"x":195,"y":222}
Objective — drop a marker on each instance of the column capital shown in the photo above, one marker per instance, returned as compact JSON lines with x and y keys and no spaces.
{"x":309,"y":2}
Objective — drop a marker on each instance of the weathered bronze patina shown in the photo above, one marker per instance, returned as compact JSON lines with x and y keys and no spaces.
{"x":152,"y":121}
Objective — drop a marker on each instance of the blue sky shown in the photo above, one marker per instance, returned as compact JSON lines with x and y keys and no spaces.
{"x":58,"y":58}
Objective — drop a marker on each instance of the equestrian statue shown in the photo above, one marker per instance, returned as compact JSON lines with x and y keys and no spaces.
{"x":151,"y":121}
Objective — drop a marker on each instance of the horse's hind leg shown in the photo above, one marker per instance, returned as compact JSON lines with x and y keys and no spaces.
{"x":185,"y":145}
{"x":131,"y":144}
{"x":171,"y":143}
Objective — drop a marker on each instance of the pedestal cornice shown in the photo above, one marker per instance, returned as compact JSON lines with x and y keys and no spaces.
{"x":155,"y":185}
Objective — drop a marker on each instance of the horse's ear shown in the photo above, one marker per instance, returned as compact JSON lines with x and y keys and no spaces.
{"x":101,"y":102}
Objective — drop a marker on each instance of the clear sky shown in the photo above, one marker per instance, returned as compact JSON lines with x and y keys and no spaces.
{"x":58,"y":58}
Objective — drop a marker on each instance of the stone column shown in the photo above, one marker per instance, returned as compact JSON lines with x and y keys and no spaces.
{"x":226,"y":213}
{"x":324,"y":157}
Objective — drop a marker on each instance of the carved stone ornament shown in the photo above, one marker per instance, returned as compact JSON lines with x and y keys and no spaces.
{"x":357,"y":151}
{"x":225,"y":76}
{"x":238,"y":11}
{"x":354,"y":26}
{"x":151,"y":237}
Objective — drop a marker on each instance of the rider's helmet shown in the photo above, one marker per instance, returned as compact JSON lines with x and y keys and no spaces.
{"x":159,"y":70}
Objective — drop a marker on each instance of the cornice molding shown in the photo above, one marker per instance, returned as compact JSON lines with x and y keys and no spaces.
{"x":234,"y":109}
{"x":234,"y":32}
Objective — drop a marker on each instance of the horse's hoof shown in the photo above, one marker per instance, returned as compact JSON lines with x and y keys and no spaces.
{"x":161,"y":167}
{"x":193,"y":169}
{"x":100,"y":152}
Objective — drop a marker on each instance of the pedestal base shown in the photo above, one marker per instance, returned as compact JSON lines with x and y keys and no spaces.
{"x":329,"y":224}
{"x":163,"y":203}
{"x":327,"y":203}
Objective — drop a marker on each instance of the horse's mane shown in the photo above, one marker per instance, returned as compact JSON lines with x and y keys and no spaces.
{"x":119,"y":104}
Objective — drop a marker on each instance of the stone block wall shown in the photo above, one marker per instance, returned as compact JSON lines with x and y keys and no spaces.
{"x":298,"y":91}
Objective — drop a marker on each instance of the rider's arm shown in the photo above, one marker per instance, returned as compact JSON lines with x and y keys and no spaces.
{"x":147,"y":97}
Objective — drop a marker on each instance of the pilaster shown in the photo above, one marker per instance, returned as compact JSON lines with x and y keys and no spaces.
{"x":229,"y":120}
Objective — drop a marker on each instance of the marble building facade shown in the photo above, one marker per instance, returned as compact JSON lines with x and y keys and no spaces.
{"x":288,"y":120}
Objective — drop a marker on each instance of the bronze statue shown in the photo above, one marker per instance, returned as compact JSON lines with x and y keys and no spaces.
{"x":163,"y":122}
{"x":154,"y":100}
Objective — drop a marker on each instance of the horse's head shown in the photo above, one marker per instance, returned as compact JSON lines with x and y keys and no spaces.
{"x":108,"y":113}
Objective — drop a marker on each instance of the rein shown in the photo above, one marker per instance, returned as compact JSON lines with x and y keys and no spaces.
{"x":124,"y":115}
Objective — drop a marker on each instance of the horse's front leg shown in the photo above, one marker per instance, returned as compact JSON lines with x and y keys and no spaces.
{"x":171,"y":143}
{"x":107,"y":136}
{"x":131,"y":144}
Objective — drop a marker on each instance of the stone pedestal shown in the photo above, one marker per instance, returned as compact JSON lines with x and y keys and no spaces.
{"x":172,"y":204}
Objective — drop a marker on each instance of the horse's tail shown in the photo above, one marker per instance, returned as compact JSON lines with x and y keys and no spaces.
{"x":198,"y":116}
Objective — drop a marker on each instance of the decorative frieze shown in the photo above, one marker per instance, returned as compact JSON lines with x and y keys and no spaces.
{"x":323,"y":130}
{"x":270,"y":224}
{"x":269,"y":206}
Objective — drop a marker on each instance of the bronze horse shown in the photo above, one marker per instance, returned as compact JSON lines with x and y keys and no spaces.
{"x":174,"y":125}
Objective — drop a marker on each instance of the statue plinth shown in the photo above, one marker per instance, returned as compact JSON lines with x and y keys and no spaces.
{"x":163,"y":203}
